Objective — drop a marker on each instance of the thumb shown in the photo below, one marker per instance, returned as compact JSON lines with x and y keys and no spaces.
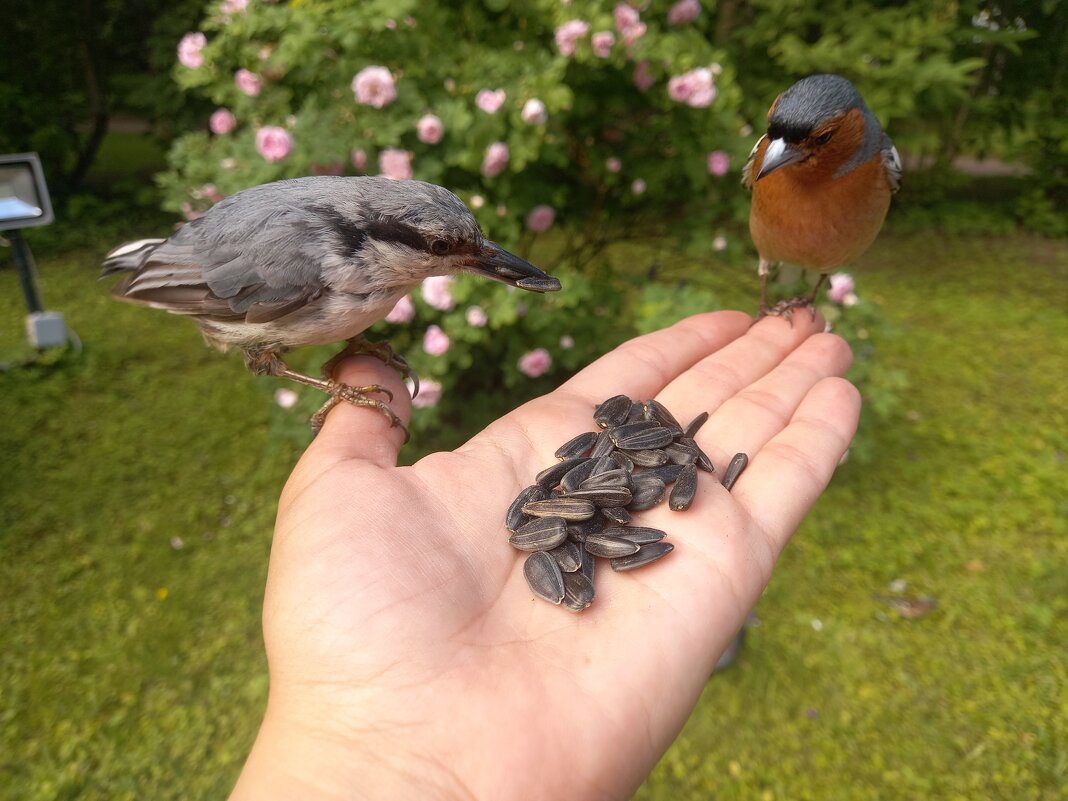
{"x":365,"y":431}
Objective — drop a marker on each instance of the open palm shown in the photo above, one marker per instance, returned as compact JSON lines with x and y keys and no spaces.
{"x":408,"y":657}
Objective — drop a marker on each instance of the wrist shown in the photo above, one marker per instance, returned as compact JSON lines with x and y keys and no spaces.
{"x":293,"y":758}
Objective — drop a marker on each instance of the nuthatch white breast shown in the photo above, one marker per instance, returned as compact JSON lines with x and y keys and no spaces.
{"x":311,"y":261}
{"x":821,"y":179}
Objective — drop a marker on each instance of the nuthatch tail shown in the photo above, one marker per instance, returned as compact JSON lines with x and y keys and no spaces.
{"x":312,"y":261}
{"x":821,"y":179}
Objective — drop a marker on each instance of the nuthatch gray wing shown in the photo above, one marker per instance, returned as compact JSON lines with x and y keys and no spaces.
{"x":311,"y":261}
{"x":821,"y":179}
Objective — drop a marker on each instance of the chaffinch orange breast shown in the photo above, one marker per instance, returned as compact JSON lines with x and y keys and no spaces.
{"x":821,"y":179}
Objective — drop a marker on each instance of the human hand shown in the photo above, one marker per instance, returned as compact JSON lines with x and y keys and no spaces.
{"x":408,"y":657}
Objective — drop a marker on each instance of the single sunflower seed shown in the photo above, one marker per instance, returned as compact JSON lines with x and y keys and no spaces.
{"x":540,"y":534}
{"x":603,"y":446}
{"x":702,"y":458}
{"x":568,"y":555}
{"x":666,"y":472}
{"x":589,"y":564}
{"x":616,"y":495}
{"x":647,"y":458}
{"x":734,"y":469}
{"x":577,"y":446}
{"x":646,"y":493}
{"x":643,"y":556}
{"x":609,"y":478}
{"x":610,"y":547}
{"x":681,"y":453}
{"x":613,"y":411}
{"x":514,"y":518}
{"x":622,"y":461}
{"x":655,"y":410}
{"x":684,"y":490}
{"x":695,"y":425}
{"x":567,"y":508}
{"x":647,"y":440}
{"x":637,"y":412}
{"x":550,"y":476}
{"x":573,"y":478}
{"x":544,"y":577}
{"x":578,"y":591}
{"x":641,"y":535}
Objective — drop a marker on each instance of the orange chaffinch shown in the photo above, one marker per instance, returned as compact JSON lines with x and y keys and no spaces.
{"x":821,"y":179}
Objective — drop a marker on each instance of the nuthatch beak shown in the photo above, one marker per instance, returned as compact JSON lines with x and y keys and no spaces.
{"x":497,"y":263}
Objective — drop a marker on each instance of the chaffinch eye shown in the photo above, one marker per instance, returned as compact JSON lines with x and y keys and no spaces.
{"x":822,"y":140}
{"x":439,"y":247}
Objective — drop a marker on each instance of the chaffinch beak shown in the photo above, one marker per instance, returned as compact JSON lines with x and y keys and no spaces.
{"x":497,"y":263}
{"x":779,"y":154}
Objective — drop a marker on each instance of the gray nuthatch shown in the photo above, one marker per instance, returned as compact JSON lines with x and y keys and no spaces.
{"x":311,"y":261}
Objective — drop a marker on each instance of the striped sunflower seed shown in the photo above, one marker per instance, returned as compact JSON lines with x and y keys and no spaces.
{"x":568,"y":555}
{"x":684,"y":490}
{"x":666,"y":472}
{"x":702,"y":458}
{"x":647,"y":440}
{"x":637,"y":412}
{"x":540,"y":534}
{"x":646,"y":493}
{"x":578,"y":591}
{"x":610,"y":547}
{"x":609,"y":478}
{"x":622,"y":461}
{"x":574,"y":477}
{"x":544,"y":577}
{"x":695,"y":425}
{"x":514,"y":518}
{"x":734,"y":469}
{"x":613,"y":411}
{"x":589,"y":564}
{"x":578,"y":531}
{"x":616,"y":495}
{"x":647,"y":458}
{"x":641,"y":535}
{"x":567,"y":508}
{"x":681,"y":453}
{"x":603,"y":446}
{"x":655,"y":410}
{"x":616,"y":514}
{"x":550,"y":476}
{"x":643,"y":556}
{"x":577,"y":446}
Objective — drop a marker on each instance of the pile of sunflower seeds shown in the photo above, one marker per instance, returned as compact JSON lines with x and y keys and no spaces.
{"x":579,"y":508}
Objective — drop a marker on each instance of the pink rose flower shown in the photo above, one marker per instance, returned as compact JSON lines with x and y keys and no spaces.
{"x":841,"y":285}
{"x":535,"y":363}
{"x":495,"y":160}
{"x":429,"y":394}
{"x":248,"y":83}
{"x":643,"y":79}
{"x":477,"y":201}
{"x":718,"y":163}
{"x":435,"y":341}
{"x":613,"y":165}
{"x":273,"y":143}
{"x":541,"y":218}
{"x":476,"y":316}
{"x":602,"y":42}
{"x":395,"y":163}
{"x":490,"y":101}
{"x":222,"y":121}
{"x":683,"y":12}
{"x":568,"y":34}
{"x":403,"y":311}
{"x":719,"y":243}
{"x":429,"y":129}
{"x":233,"y":6}
{"x":628,"y":23}
{"x":374,"y":86}
{"x":228,"y":164}
{"x":285,"y":397}
{"x":212,"y":193}
{"x":638,"y":187}
{"x":435,"y":291}
{"x":694,"y":88}
{"x":189,"y":212}
{"x":567,"y":342}
{"x":189,"y":48}
{"x":534,"y":112}
{"x":359,"y":158}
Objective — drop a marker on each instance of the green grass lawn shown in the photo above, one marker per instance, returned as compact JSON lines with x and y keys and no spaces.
{"x":137,"y":490}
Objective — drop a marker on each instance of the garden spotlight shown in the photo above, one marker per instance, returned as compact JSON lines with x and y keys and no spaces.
{"x":24,"y":203}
